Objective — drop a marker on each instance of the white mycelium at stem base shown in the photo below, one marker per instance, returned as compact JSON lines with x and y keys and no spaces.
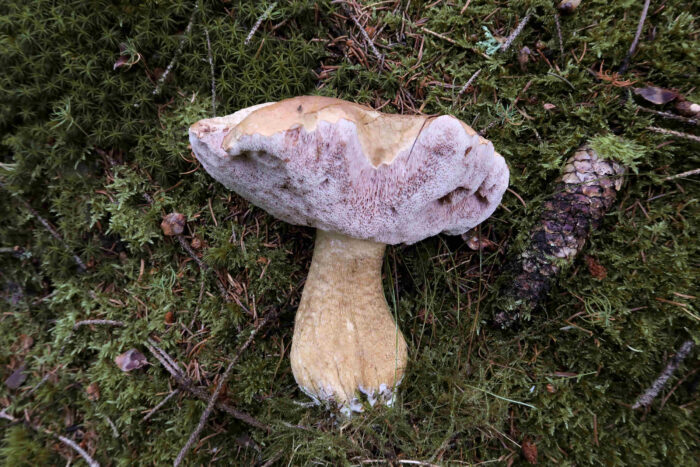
{"x":345,"y":339}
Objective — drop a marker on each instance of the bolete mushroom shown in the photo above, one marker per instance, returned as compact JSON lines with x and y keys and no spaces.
{"x":364,"y":179}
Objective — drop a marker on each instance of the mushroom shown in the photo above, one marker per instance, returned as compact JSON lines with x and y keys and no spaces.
{"x":363,"y":179}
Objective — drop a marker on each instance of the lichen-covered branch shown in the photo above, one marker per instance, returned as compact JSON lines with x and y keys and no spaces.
{"x":584,"y":193}
{"x":650,"y":394}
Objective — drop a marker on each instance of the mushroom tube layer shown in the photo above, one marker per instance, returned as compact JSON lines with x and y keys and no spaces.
{"x":342,"y":167}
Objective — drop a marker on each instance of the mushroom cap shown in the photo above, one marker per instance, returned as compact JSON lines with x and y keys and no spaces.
{"x":343,"y":167}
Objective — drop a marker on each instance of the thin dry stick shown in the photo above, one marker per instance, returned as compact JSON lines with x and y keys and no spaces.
{"x":683,"y":175}
{"x":213,"y":81}
{"x":165,"y":359}
{"x":273,"y":459}
{"x":51,"y":230}
{"x":674,"y":133}
{"x":88,"y":322}
{"x":41,"y":382}
{"x":161,"y":404}
{"x":633,"y":47}
{"x":673,"y":389}
{"x":669,"y":115}
{"x":364,"y":34}
{"x":464,"y":8}
{"x":648,"y":397}
{"x":17,"y":252}
{"x":503,"y":48}
{"x":90,"y":461}
{"x":199,"y":301}
{"x":259,"y":22}
{"x":513,"y":35}
{"x":561,"y":41}
{"x":185,"y":246}
{"x":115,"y":432}
{"x":212,"y":401}
{"x":202,"y":265}
{"x":474,"y":76}
{"x":198,"y":392}
{"x":164,"y":76}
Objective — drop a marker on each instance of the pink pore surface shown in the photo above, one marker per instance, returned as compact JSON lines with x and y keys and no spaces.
{"x":448,"y":181}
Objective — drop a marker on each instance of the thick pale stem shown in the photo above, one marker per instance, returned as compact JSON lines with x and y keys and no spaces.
{"x":345,"y":339}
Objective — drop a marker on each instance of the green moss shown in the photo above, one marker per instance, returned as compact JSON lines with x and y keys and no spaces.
{"x":83,"y":141}
{"x":618,"y":149}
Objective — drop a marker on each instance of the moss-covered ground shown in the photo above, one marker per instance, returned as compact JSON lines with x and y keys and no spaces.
{"x":85,"y":141}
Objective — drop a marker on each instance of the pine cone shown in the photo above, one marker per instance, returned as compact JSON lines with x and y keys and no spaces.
{"x":585,"y":191}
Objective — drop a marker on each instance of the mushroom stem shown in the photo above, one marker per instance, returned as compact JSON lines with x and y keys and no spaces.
{"x":345,"y":339}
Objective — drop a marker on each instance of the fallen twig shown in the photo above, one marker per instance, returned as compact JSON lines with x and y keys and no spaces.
{"x":160,"y":404}
{"x":115,"y":432}
{"x":648,"y":397}
{"x":516,"y":32}
{"x":259,"y":22}
{"x":674,"y":133}
{"x":199,"y":301}
{"x":41,"y":382}
{"x":561,"y":41}
{"x":88,"y":322}
{"x":189,"y":386}
{"x":51,"y":230}
{"x":213,"y":80}
{"x":17,"y":252}
{"x":473,"y":77}
{"x":683,"y":175}
{"x":90,"y":461}
{"x":212,"y":401}
{"x":633,"y":47}
{"x":202,"y":265}
{"x":506,"y":45}
{"x":380,"y":57}
{"x":669,"y":115}
{"x":167,"y":71}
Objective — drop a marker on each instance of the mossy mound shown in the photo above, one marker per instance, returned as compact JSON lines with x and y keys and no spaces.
{"x":95,"y":142}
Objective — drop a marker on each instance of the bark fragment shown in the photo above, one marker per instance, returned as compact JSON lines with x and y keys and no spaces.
{"x":584,"y":192}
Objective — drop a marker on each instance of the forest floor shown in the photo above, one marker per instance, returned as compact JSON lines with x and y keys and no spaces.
{"x":95,"y":102}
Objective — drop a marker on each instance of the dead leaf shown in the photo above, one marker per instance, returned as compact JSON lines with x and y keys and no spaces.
{"x":93,"y":391}
{"x":524,"y":57}
{"x":121,"y":61}
{"x":169,"y":317}
{"x":568,"y":6}
{"x":529,"y":451}
{"x":655,"y":95}
{"x":132,"y":359}
{"x":596,"y":269}
{"x":126,"y":58}
{"x":479,"y":243}
{"x":17,"y":378}
{"x":196,"y":243}
{"x":173,"y":224}
{"x":549,"y":106}
{"x":26,"y":341}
